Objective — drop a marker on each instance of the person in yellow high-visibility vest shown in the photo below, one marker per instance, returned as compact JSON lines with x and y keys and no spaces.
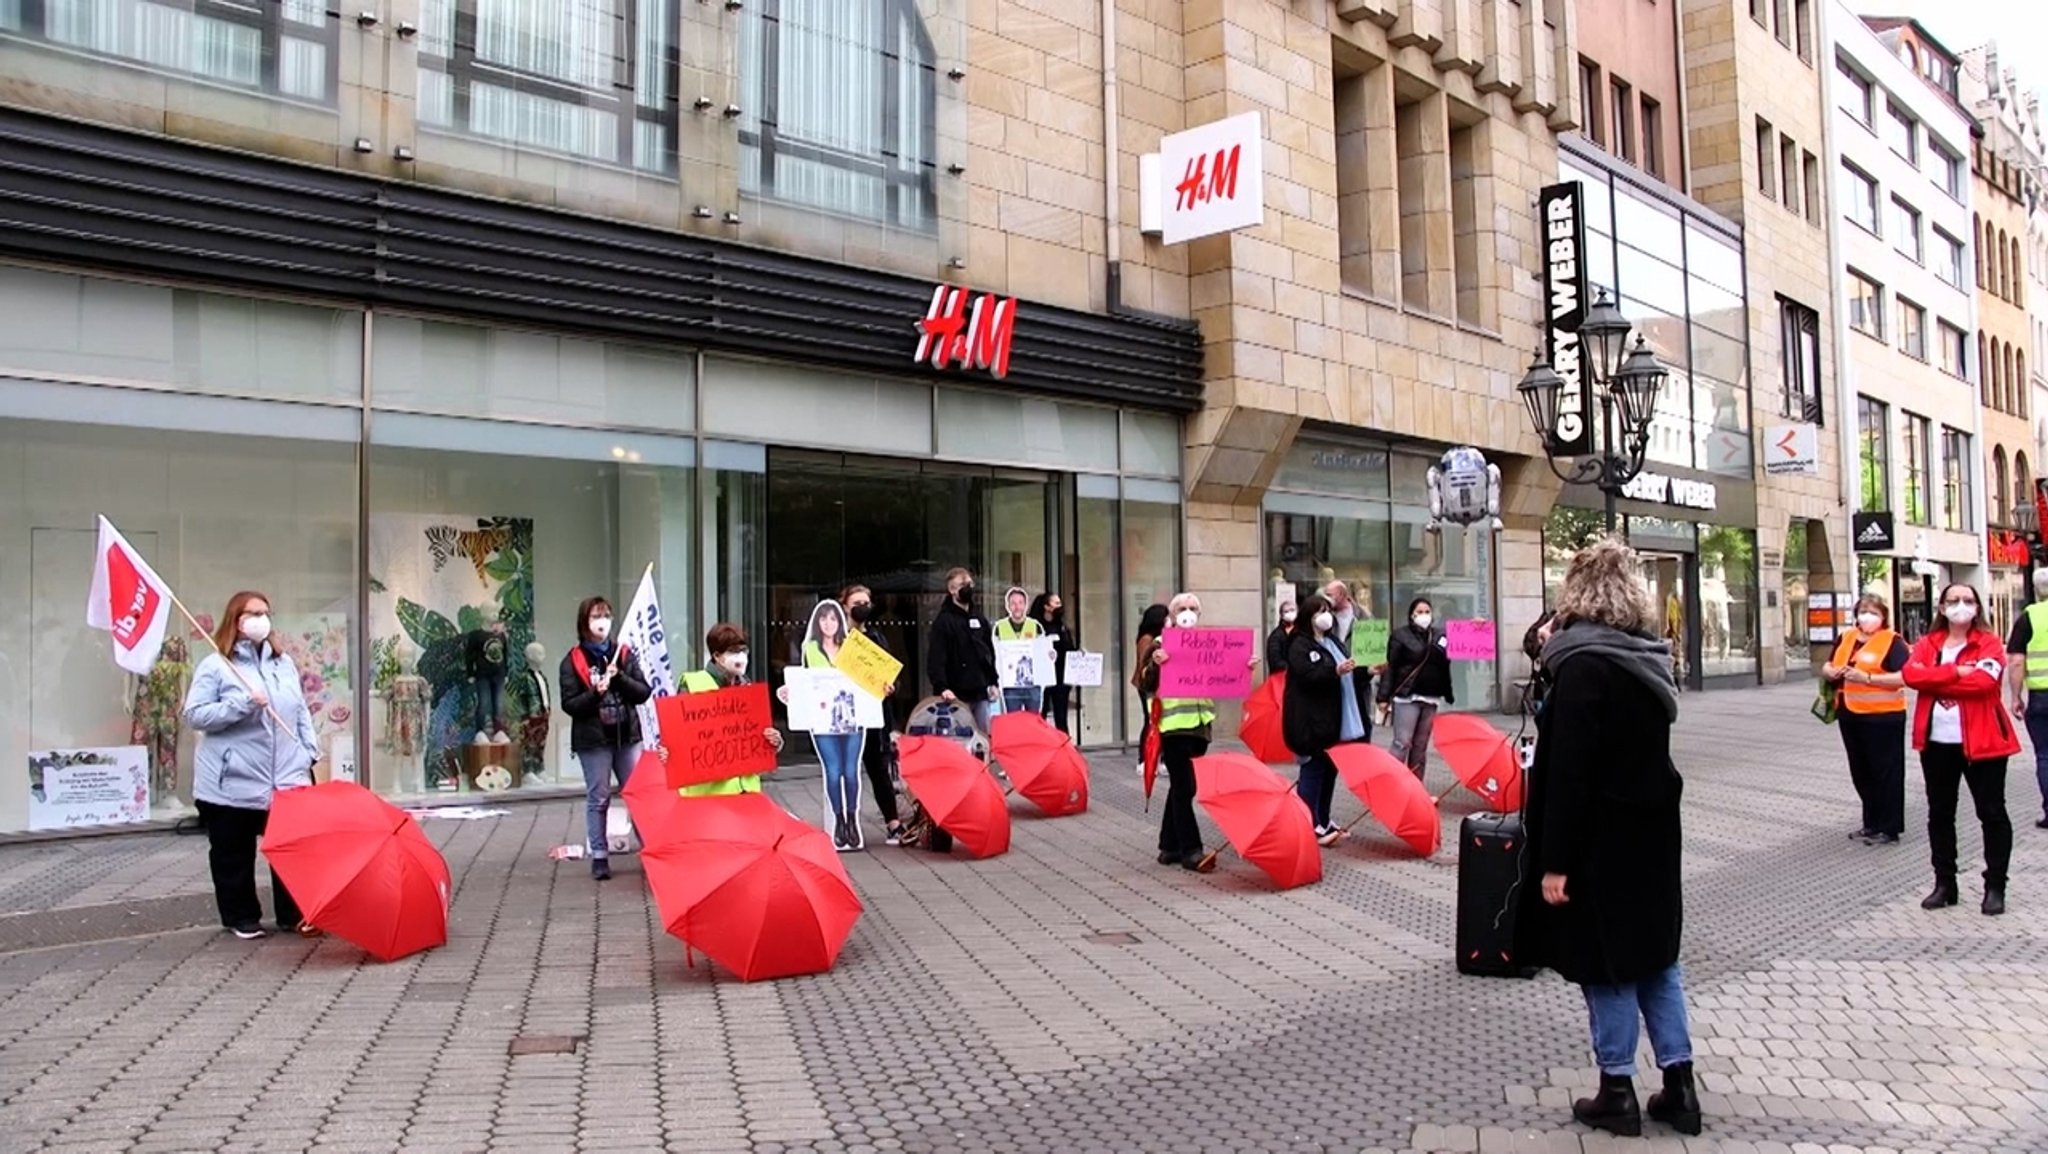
{"x":2026,"y":654}
{"x":1870,"y":701}
{"x":726,"y":646}
{"x":1025,"y":696}
{"x":1183,"y":736}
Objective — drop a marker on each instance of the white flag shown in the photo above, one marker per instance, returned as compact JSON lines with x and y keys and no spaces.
{"x":644,"y":634}
{"x":128,"y":600}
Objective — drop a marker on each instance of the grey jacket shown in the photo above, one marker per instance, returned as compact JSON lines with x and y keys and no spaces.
{"x":243,"y":757}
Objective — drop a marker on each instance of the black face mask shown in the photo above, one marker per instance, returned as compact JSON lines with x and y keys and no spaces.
{"x":860,"y":613}
{"x":966,"y":594}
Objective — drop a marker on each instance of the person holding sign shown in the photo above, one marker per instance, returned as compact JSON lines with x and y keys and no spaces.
{"x":837,"y":736}
{"x":1417,"y":684}
{"x":1183,"y":736}
{"x":602,"y":688}
{"x":1318,"y":710}
{"x":859,"y":603}
{"x":1024,"y":696}
{"x":1350,"y":620}
{"x":726,"y":646}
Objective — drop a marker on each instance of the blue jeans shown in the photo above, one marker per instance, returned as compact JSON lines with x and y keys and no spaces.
{"x":2037,"y":733}
{"x":1023,"y":700}
{"x":600,"y":767}
{"x":1317,"y":787}
{"x":839,"y":754}
{"x":1660,"y":999}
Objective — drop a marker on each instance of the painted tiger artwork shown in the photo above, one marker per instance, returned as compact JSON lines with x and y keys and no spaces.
{"x":446,"y":542}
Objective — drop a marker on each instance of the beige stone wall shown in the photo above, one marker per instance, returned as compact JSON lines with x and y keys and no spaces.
{"x":2004,"y":319}
{"x":1736,"y":71}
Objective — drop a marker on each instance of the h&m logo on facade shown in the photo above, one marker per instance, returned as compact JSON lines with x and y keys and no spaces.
{"x":967,"y":330}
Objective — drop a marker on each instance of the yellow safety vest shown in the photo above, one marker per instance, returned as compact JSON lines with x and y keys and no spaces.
{"x":1025,"y":632}
{"x":699,"y":681}
{"x":1179,"y":713}
{"x":2037,"y":647}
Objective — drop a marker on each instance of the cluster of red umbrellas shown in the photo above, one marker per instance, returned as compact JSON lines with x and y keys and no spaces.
{"x":359,"y":868}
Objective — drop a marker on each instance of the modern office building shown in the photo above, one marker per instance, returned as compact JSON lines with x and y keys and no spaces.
{"x":1899,"y":157}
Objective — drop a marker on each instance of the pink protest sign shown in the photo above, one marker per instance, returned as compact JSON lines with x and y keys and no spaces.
{"x":1206,"y":663}
{"x":1470,"y":640}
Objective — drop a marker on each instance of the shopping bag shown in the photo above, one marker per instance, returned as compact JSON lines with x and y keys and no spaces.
{"x":1824,"y":704}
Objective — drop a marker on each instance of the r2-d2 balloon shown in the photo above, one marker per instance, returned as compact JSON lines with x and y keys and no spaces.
{"x":1464,"y":489}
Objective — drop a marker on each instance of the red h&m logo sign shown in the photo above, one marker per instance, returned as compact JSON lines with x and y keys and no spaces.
{"x":967,"y":331}
{"x":1201,"y":184}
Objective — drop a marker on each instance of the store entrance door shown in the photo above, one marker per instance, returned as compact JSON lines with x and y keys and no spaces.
{"x":1668,"y":575}
{"x":896,"y":527}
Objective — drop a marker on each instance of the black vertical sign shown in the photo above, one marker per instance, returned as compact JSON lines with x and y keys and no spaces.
{"x":1561,"y":209}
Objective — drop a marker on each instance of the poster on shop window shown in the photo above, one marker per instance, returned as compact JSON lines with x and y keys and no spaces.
{"x":81,"y":788}
{"x":838,"y":714}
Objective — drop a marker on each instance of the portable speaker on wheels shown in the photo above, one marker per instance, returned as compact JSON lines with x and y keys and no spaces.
{"x":1489,"y":868}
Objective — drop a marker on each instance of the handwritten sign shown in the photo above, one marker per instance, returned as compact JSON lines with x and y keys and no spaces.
{"x":1207,"y":663}
{"x":1369,"y":641}
{"x":713,"y":736}
{"x":871,"y":668}
{"x":1470,"y":640}
{"x":1083,"y":670}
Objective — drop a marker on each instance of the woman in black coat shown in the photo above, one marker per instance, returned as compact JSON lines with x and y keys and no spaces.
{"x":1604,"y":835}
{"x":1280,"y":638}
{"x":602,"y":688}
{"x":1417,"y":683}
{"x":1318,"y":709}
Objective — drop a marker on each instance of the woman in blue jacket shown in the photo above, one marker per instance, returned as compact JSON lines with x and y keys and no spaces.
{"x":256,"y":738}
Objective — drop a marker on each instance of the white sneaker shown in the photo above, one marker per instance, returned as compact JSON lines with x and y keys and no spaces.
{"x":501,"y":739}
{"x":481,"y":738}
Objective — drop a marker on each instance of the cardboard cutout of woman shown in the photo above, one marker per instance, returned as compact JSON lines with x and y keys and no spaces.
{"x":838,"y":736}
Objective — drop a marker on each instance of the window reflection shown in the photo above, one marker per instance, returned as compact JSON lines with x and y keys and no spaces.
{"x":286,"y":48}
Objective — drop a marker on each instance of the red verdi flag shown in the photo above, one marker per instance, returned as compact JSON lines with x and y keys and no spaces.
{"x":128,"y":600}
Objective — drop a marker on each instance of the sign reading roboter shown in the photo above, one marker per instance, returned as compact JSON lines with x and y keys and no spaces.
{"x":967,"y":331}
{"x":1562,"y":210}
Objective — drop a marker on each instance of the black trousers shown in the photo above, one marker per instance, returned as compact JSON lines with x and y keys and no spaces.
{"x":1178,"y":832}
{"x":1946,"y":770}
{"x":231,"y":834}
{"x":874,"y":757}
{"x":1876,"y":745}
{"x":1055,"y":707}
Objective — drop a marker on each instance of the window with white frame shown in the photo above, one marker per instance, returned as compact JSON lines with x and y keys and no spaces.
{"x":1902,"y":132}
{"x":1955,"y":356}
{"x":1859,"y":198}
{"x":1912,"y":329}
{"x":1906,"y":231}
{"x":1866,"y":305}
{"x":1858,"y":95}
{"x":1948,"y":170}
{"x":1919,"y":469}
{"x":1955,"y":480}
{"x":1948,"y":257}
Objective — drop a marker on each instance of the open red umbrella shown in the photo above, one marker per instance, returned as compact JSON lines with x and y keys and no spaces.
{"x":1391,"y":793}
{"x":761,"y":893}
{"x":1260,"y":730}
{"x":1259,"y":814}
{"x":957,"y":791}
{"x":1483,"y":757}
{"x":359,"y":868}
{"x":1041,"y":762}
{"x":1148,"y":751}
{"x":650,"y":801}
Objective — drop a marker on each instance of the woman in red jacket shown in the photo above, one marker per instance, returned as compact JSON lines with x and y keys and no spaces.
{"x":1963,"y":736}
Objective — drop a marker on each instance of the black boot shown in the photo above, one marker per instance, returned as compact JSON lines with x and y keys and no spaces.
{"x":1677,"y":1105}
{"x":1613,"y":1109}
{"x":1944,"y":895}
{"x":1994,"y":901}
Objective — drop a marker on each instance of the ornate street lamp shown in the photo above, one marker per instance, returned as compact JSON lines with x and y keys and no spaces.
{"x":1625,"y":382}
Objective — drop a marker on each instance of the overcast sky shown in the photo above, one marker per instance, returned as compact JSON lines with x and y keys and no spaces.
{"x":2019,"y":26}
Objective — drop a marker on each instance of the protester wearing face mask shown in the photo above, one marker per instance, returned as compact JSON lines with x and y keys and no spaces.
{"x":1183,"y":736}
{"x":1051,"y":614}
{"x":1282,"y":636}
{"x":256,"y":737}
{"x":1319,"y":709}
{"x":1347,"y":613}
{"x":1870,"y":710}
{"x":960,"y":658}
{"x":859,"y":601}
{"x":1417,"y":683}
{"x":726,"y":646}
{"x":601,"y":689}
{"x":1963,"y":734}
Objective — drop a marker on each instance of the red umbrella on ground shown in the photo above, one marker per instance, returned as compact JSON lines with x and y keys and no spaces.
{"x":957,"y":791}
{"x":652,"y":804}
{"x":1484,"y":758}
{"x":359,"y":868}
{"x":1041,"y":762}
{"x":761,"y":893}
{"x":1259,"y":814}
{"x":1260,"y":730}
{"x":1148,"y":751}
{"x":1391,"y":792}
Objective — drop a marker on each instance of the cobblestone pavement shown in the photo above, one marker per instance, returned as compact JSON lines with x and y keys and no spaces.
{"x":979,"y":1006}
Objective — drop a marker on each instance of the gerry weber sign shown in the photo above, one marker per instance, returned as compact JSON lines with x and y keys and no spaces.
{"x":967,"y":331}
{"x":1662,"y":490}
{"x":1562,"y":209}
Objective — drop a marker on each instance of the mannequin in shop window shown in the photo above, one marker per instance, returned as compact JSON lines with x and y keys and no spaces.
{"x":485,"y":650}
{"x":405,"y":706}
{"x":536,"y":713}
{"x":158,"y":723}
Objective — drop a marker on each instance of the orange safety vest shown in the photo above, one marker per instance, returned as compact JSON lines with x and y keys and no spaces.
{"x":1869,"y":657}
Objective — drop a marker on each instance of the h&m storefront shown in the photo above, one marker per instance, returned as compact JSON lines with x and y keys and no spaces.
{"x":405,"y":415}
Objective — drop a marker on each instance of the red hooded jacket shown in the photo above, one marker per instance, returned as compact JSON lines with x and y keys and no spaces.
{"x":1988,"y":732}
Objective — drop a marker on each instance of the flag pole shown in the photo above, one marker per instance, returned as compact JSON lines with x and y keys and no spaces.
{"x":230,"y":663}
{"x":619,"y":650}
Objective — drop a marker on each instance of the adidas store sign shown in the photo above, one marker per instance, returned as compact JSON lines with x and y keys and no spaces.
{"x":1872,"y":532}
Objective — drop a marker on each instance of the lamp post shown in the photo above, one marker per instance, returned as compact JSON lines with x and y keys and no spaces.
{"x":1625,"y":382}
